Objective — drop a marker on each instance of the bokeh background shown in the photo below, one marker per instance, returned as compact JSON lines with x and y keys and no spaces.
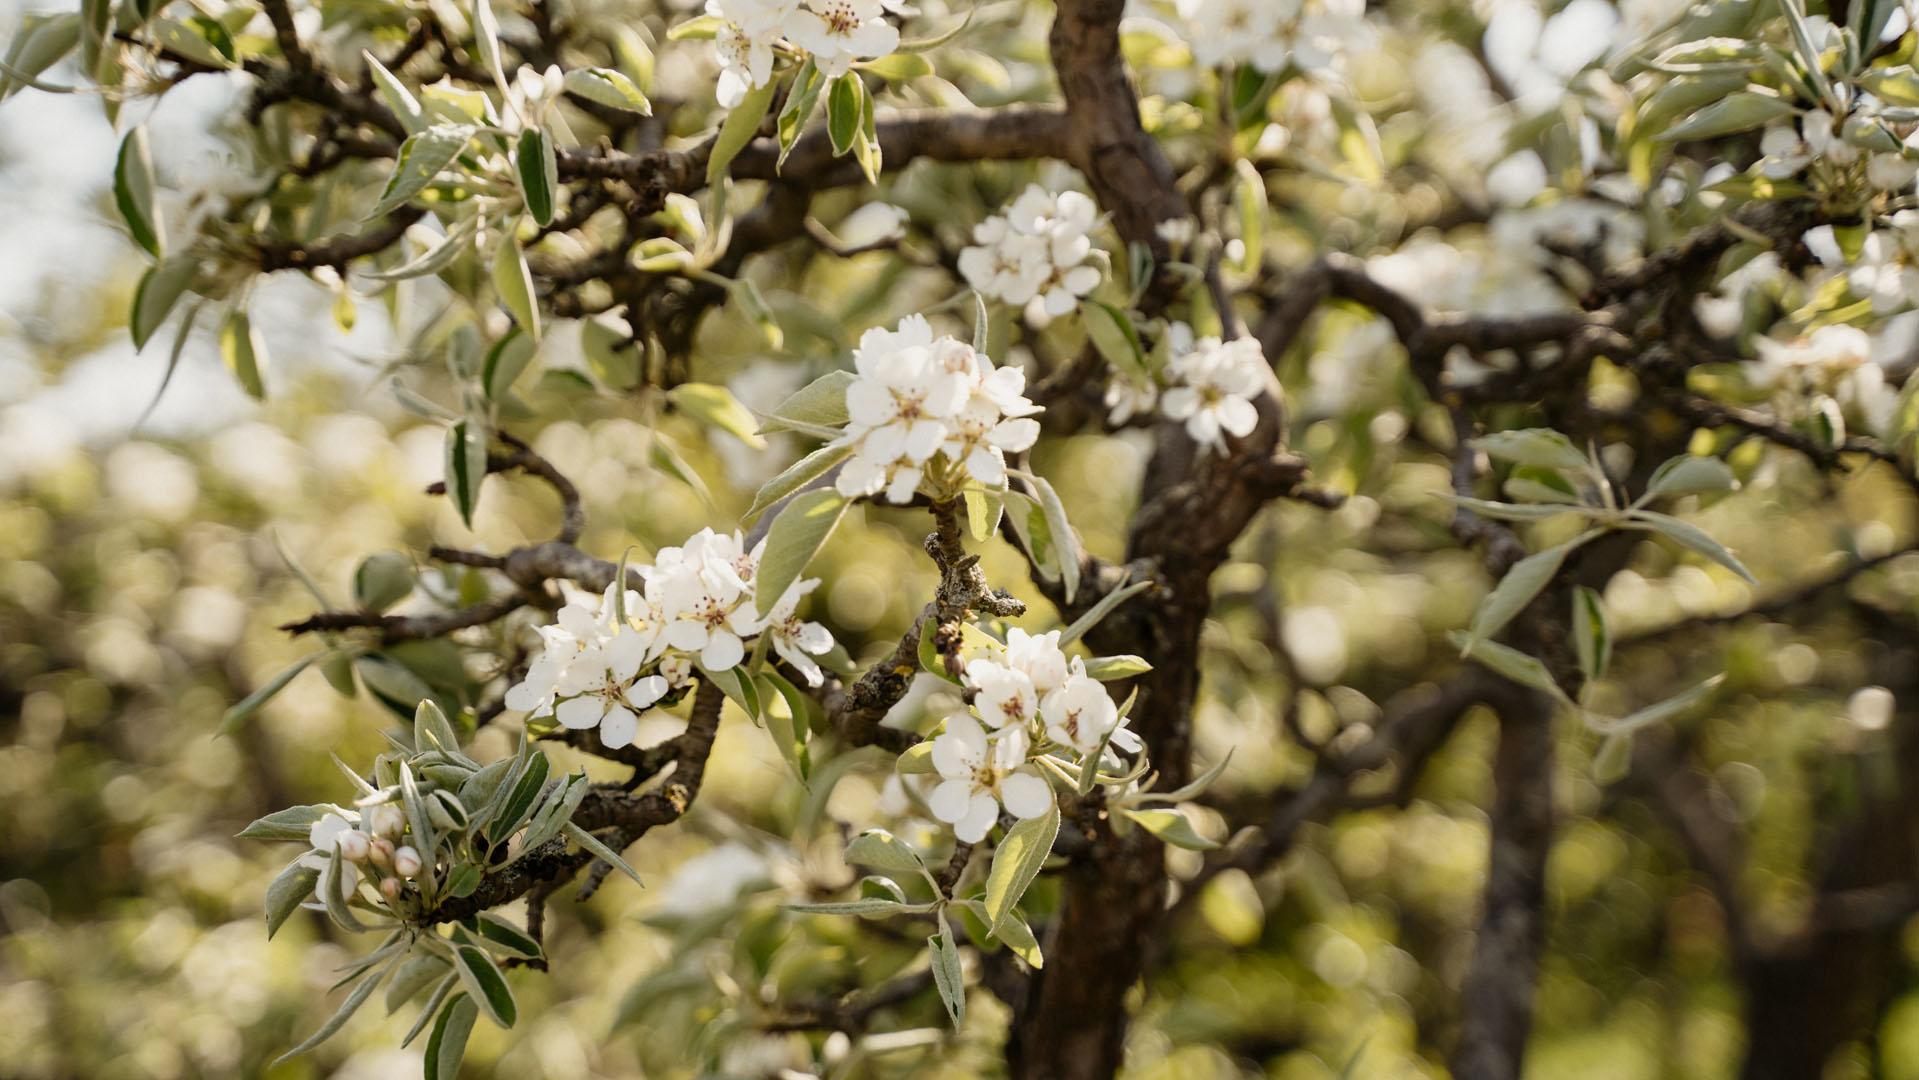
{"x":144,"y":566}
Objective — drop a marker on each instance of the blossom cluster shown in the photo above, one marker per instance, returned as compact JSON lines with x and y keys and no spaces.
{"x":601,"y":664}
{"x":1840,"y":363}
{"x":1267,"y":35}
{"x":1027,"y":700}
{"x":833,"y":32}
{"x":1035,"y":254}
{"x":369,"y":842}
{"x":920,"y":404}
{"x":1819,"y":138}
{"x":1213,"y":386}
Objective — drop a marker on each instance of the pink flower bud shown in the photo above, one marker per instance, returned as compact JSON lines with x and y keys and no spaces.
{"x":385,"y":820}
{"x":353,"y":845}
{"x":382,"y":852}
{"x":390,"y":888}
{"x":406,"y":862}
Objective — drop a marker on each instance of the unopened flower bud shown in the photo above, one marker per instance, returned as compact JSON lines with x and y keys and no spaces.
{"x":385,"y":820}
{"x":353,"y":845}
{"x":390,"y":888}
{"x":406,"y":862}
{"x":954,"y":355}
{"x":382,"y":852}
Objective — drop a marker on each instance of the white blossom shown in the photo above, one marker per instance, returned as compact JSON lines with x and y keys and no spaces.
{"x":331,"y":833}
{"x":749,"y":30}
{"x":1269,"y":34}
{"x":794,"y":639}
{"x":979,"y":775}
{"x":1035,"y":253}
{"x":838,"y":32}
{"x":1080,"y":713}
{"x":915,"y":397}
{"x":1216,"y":383}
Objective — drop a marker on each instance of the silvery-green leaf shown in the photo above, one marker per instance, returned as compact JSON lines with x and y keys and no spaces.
{"x":1533,"y":446}
{"x":738,"y":129}
{"x":1110,"y":668}
{"x":1691,"y":536}
{"x":1517,"y":589}
{"x":485,"y":984}
{"x":715,"y":405}
{"x":465,"y":466}
{"x":382,"y":580}
{"x":872,"y":905}
{"x":247,"y":706}
{"x":1730,"y":115}
{"x":422,"y":156}
{"x":1592,"y":641}
{"x":819,"y":404}
{"x":447,"y":1045}
{"x":881,"y":849}
{"x":415,"y":975}
{"x":243,"y":351}
{"x":505,"y":362}
{"x":797,"y":535}
{"x":538,"y":171}
{"x":513,"y":284}
{"x":1170,"y":826}
{"x":1507,"y":511}
{"x":1017,"y":861}
{"x":338,"y":1020}
{"x":1065,"y":541}
{"x":600,"y":851}
{"x":133,"y":192}
{"x":1114,"y":335}
{"x":287,"y":892}
{"x":1690,"y":474}
{"x":1511,"y":663}
{"x":457,"y":241}
{"x":160,"y":288}
{"x":292,"y":823}
{"x":397,"y":97}
{"x":605,"y":86}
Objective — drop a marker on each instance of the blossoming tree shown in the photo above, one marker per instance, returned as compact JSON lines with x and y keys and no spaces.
{"x":1695,"y":259}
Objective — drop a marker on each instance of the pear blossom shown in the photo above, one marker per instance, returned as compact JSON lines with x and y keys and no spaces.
{"x":1035,"y":253}
{"x":1216,"y":384}
{"x":1840,"y":362}
{"x":331,"y":833}
{"x":794,"y":639}
{"x":916,"y":397}
{"x":1267,"y":35}
{"x":1080,"y":713}
{"x":1126,"y":398}
{"x":1038,"y":656}
{"x":838,"y":32}
{"x":749,"y":29}
{"x":1004,"y":696}
{"x":979,"y":775}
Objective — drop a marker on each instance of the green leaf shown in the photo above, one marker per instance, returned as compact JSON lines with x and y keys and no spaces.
{"x":521,"y":798}
{"x":1016,"y":862}
{"x":699,"y":28}
{"x":1013,"y":933}
{"x":432,"y":730}
{"x":1511,"y":663}
{"x":916,"y":760}
{"x":292,"y":823}
{"x":1170,"y":826}
{"x":505,"y":362}
{"x":397,"y":97}
{"x":753,"y":305}
{"x":866,"y":149}
{"x":539,"y":173}
{"x":715,"y":405}
{"x":872,"y":905}
{"x":1689,"y":474}
{"x":230,"y":722}
{"x":483,"y":981}
{"x":1691,"y":536}
{"x":447,"y":1045}
{"x":1665,"y":710}
{"x":801,"y":102}
{"x":421,"y":158}
{"x":133,"y":193}
{"x":884,"y":851}
{"x":1065,"y":542}
{"x":382,"y":580}
{"x":739,"y":128}
{"x":1517,"y":589}
{"x":39,"y":42}
{"x":605,"y":86}
{"x":1117,"y":339}
{"x":1730,"y":115}
{"x":509,"y":937}
{"x":457,"y":242}
{"x":486,"y":40}
{"x":1109,"y":668}
{"x":241,"y":348}
{"x":514,"y":284}
{"x":787,"y":725}
{"x":465,"y":466}
{"x":1592,"y":641}
{"x":603,"y":347}
{"x":338,"y":1020}
{"x":1613,"y":760}
{"x":843,"y":104}
{"x":1506,"y":511}
{"x":414,"y":976}
{"x":600,"y":851}
{"x":898,"y":67}
{"x":798,"y":475}
{"x":948,"y":977}
{"x":666,"y":457}
{"x":819,"y":404}
{"x":431,"y":1008}
{"x":1099,"y":611}
{"x":1534,"y":446}
{"x":159,"y":289}
{"x":287,"y":892}
{"x":797,"y":535}
{"x":201,"y":40}
{"x":739,"y":689}
{"x":1250,"y":199}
